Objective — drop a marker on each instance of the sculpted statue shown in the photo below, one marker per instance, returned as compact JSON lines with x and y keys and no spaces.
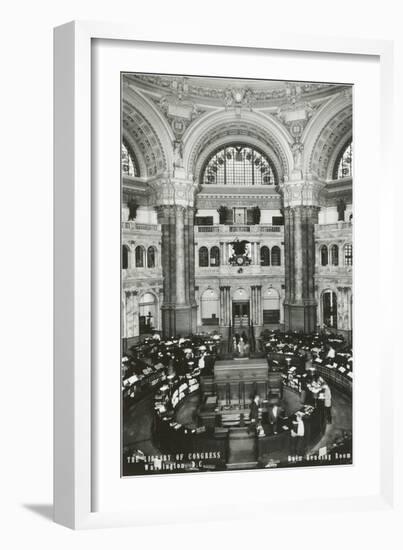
{"x":341,"y":209}
{"x":297,"y":149}
{"x":132,"y":205}
{"x":178,"y":154}
{"x":228,"y":97}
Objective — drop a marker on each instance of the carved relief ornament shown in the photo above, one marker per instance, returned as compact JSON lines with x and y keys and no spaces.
{"x":173,"y":192}
{"x":302,"y":193}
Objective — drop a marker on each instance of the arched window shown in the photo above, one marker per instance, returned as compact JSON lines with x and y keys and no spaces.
{"x":139,"y":256}
{"x":151,"y":256}
{"x":324,"y":255}
{"x":264,"y":256}
{"x":125,"y":257}
{"x":215,"y":256}
{"x":210,"y":307}
{"x":129,"y":163}
{"x":334,"y":253}
{"x":239,"y":164}
{"x":203,"y":257}
{"x":275,"y":256}
{"x":344,"y":164}
{"x":348,"y":254}
{"x":148,"y":313}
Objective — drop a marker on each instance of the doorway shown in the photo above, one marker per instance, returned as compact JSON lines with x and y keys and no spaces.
{"x":240,"y":314}
{"x":148,"y":313}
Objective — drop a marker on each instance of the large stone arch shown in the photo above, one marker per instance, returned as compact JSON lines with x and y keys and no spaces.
{"x":326,"y":133}
{"x":218,"y":128}
{"x":144,"y":126}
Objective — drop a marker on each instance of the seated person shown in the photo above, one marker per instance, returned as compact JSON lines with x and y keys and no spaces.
{"x":314,"y":384}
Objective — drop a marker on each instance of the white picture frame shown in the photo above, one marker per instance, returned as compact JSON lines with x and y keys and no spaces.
{"x":76,"y":287}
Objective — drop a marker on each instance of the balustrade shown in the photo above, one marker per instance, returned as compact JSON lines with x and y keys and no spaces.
{"x":260,"y":228}
{"x":135,"y":226}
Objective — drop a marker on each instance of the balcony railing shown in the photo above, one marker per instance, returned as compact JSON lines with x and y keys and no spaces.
{"x":337,"y":225}
{"x":260,"y":228}
{"x":135,"y":226}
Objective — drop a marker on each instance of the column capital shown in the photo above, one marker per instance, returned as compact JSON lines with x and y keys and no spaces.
{"x":302,"y":193}
{"x":179,"y":209}
{"x":163,"y":212}
{"x":173,"y":191}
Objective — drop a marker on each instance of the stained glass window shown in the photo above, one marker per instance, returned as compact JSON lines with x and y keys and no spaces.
{"x":239,"y":164}
{"x":129,"y":164}
{"x":344,"y":165}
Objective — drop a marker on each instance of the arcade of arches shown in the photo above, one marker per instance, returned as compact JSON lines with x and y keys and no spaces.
{"x":237,"y":206}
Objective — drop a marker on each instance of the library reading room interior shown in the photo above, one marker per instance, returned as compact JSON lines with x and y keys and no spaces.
{"x":236,"y":285}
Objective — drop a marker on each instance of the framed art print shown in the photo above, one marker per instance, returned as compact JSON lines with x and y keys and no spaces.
{"x":215,"y":282}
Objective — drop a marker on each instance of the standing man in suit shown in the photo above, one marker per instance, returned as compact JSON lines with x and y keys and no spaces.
{"x":327,"y":403}
{"x":297,"y":435}
{"x":254,"y":413}
{"x":275,"y":413}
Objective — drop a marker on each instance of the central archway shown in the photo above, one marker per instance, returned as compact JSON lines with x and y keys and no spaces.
{"x":261,"y":131}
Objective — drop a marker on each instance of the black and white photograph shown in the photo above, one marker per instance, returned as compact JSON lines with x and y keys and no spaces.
{"x":236,"y":274}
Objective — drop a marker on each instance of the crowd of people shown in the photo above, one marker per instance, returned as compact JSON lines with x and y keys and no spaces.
{"x":156,"y":364}
{"x":326,"y":349}
{"x":155,"y":360}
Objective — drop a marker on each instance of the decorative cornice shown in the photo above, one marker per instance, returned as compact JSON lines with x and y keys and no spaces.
{"x":217,"y":89}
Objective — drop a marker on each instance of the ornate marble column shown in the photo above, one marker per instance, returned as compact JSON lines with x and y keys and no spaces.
{"x":190,"y":267}
{"x":225,"y":305}
{"x":252,"y":303}
{"x":301,"y":207}
{"x":344,"y":313}
{"x":180,"y":256}
{"x":222,"y":311}
{"x":198,"y":309}
{"x":174,"y":199}
{"x":259,"y":305}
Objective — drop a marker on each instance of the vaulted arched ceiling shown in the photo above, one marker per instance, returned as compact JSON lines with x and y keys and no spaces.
{"x":143,"y":138}
{"x":326,"y":134}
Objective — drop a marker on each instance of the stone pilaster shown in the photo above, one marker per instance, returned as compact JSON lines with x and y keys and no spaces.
{"x":225,"y":305}
{"x":256,"y":305}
